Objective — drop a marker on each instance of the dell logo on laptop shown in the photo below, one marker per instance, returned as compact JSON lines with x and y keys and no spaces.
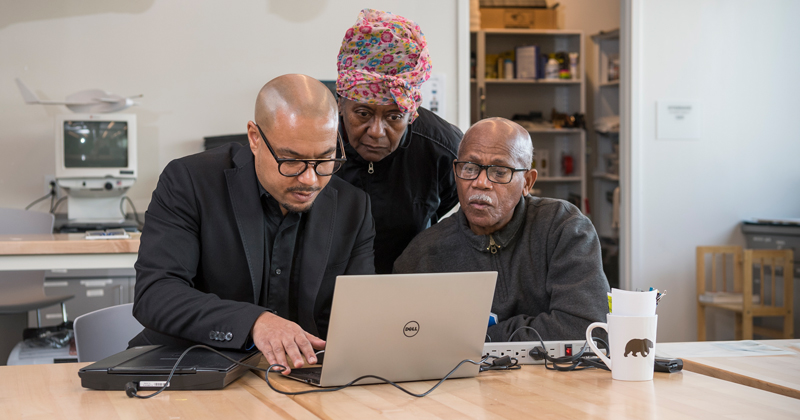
{"x":411,"y":329}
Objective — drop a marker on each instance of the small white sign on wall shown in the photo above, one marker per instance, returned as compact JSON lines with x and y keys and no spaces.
{"x":677,"y":120}
{"x":433,"y":94}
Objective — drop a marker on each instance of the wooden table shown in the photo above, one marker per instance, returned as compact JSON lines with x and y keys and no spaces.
{"x":66,"y":251}
{"x":54,"y":391}
{"x":779,"y":374}
{"x":51,"y":392}
{"x":534,"y":392}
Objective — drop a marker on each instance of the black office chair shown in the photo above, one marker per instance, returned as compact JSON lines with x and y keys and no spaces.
{"x":23,"y":291}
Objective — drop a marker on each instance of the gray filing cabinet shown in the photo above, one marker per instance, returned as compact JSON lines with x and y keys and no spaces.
{"x":772,"y":236}
{"x":777,"y":236}
{"x":93,"y":290}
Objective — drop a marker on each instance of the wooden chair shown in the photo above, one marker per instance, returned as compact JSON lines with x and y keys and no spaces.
{"x":737,"y":290}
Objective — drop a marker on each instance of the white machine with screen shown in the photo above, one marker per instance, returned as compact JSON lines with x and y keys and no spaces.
{"x":95,"y":164}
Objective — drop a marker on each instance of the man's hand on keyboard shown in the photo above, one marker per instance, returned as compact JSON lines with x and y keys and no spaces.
{"x":278,"y":338}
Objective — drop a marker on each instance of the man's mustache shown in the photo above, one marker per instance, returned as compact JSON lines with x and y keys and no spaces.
{"x":303,"y":189}
{"x":480,"y":198}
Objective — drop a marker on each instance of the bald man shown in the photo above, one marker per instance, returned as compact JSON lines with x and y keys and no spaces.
{"x":241,"y":247}
{"x":546,"y":253}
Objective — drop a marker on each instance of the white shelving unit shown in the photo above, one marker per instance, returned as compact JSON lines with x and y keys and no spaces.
{"x":507,"y":97}
{"x":605,"y":153}
{"x":605,"y":177}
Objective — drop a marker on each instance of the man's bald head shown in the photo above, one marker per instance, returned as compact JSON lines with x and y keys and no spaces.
{"x":296,"y":120}
{"x":291,"y":95}
{"x":488,"y":200}
{"x":516,"y":138}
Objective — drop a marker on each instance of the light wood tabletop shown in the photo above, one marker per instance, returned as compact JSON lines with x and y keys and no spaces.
{"x":66,"y":251}
{"x":534,"y":392}
{"x":65,"y":243}
{"x":54,"y":392}
{"x":779,"y":373}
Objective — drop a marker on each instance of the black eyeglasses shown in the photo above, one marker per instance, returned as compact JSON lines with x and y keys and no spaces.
{"x":495,"y":173}
{"x":295,"y":167}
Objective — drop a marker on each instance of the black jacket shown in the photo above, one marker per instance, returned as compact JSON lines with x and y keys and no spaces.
{"x":411,"y":188}
{"x":200,"y":267}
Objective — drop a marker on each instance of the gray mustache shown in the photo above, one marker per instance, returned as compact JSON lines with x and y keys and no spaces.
{"x":483,"y":198}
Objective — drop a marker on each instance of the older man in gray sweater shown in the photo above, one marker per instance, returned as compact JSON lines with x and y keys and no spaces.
{"x":546,"y":253}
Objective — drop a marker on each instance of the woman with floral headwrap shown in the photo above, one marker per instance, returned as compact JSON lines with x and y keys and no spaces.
{"x":399,"y":153}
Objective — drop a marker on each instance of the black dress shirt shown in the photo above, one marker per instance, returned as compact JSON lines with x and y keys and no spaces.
{"x":279,"y":289}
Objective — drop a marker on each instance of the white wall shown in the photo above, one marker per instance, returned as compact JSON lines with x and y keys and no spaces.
{"x":739,"y":60}
{"x":198,"y":63}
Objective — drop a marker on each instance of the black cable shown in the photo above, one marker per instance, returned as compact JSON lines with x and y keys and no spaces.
{"x":175,"y":367}
{"x":282,"y":368}
{"x":575,"y":362}
{"x":266,"y":377}
{"x":55,"y":207}
{"x":135,"y":214}
{"x":582,"y":364}
{"x":500,"y":363}
{"x":525,"y":327}
{"x":50,"y":194}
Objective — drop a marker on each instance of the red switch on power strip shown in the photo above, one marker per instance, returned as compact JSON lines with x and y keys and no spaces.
{"x":568,"y":350}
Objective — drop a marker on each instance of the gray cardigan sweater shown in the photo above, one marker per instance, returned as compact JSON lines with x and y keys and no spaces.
{"x":550,"y":273}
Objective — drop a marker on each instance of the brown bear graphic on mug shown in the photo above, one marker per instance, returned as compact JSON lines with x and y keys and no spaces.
{"x":640,"y":346}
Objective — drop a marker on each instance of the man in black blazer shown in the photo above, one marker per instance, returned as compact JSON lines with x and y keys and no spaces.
{"x":242,"y":247}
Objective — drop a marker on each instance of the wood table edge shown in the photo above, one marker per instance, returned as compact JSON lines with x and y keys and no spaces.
{"x":696,"y":367}
{"x":113,"y":246}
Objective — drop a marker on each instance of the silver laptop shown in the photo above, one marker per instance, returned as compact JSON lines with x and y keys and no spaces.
{"x":404,"y":327}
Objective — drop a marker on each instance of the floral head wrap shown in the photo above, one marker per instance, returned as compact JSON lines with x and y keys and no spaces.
{"x":383,"y":60}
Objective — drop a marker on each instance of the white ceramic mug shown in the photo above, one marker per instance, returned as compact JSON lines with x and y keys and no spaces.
{"x":633,"y":346}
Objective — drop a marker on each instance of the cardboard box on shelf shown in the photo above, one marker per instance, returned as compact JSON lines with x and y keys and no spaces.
{"x":517,"y":17}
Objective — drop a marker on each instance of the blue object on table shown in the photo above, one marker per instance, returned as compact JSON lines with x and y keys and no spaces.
{"x":492,"y":319}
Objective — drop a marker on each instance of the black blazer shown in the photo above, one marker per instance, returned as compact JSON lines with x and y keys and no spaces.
{"x":200,"y":267}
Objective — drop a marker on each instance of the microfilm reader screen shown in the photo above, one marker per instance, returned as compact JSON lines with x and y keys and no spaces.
{"x":95,"y":144}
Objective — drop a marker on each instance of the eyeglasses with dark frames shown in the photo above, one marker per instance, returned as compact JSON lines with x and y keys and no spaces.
{"x":295,"y":167}
{"x":495,"y":173}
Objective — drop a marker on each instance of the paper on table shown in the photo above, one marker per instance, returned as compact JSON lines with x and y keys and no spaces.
{"x":718,"y":349}
{"x":627,"y":303}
